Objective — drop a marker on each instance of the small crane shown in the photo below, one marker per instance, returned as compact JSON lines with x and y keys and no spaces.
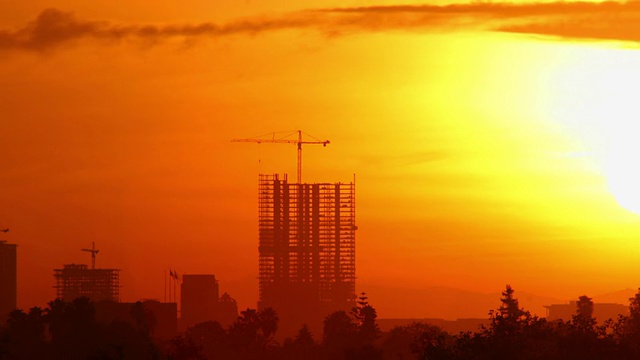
{"x":93,"y":252}
{"x":284,"y":140}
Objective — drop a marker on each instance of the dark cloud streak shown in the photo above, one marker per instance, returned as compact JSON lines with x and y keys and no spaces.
{"x":608,"y":20}
{"x":53,"y":28}
{"x":504,"y":10}
{"x":579,"y":20}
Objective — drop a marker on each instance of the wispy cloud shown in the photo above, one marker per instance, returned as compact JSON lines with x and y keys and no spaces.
{"x":53,"y":28}
{"x":604,"y":21}
{"x":578,"y":20}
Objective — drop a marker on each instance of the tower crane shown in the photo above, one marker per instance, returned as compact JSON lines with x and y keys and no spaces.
{"x":283,"y":140}
{"x":93,"y":252}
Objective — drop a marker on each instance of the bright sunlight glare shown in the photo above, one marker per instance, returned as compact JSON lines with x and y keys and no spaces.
{"x":596,"y":101}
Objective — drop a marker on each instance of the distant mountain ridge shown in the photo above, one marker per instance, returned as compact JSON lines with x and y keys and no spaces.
{"x":618,"y":297}
{"x":451,"y":303}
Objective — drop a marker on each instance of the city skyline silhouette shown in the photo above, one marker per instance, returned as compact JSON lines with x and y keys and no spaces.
{"x":493,"y":143}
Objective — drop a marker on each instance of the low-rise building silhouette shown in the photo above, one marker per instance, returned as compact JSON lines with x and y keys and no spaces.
{"x":201,"y":302}
{"x":199,"y":295}
{"x":601,"y":311}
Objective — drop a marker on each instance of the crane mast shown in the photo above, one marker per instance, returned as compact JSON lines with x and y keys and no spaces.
{"x":299,"y":142}
{"x":93,"y":252}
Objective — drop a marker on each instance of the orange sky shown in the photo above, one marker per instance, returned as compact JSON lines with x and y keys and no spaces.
{"x":492,"y":143}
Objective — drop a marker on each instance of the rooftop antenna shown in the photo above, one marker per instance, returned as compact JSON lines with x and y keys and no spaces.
{"x":93,"y":252}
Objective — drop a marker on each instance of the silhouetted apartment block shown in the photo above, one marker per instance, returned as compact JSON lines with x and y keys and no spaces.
{"x":307,"y":250}
{"x":227,"y":311}
{"x":199,"y":296}
{"x":73,"y":281}
{"x":200,"y":302}
{"x":8,"y":279}
{"x":601,"y":311}
{"x":161,"y":319}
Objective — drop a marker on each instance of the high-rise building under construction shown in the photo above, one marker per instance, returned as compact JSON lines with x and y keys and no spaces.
{"x":73,"y":281}
{"x":306,"y":248}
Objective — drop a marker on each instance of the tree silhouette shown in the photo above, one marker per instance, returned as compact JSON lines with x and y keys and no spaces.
{"x":585,"y":307}
{"x":338,"y":334}
{"x":302,"y":346}
{"x":585,"y":338}
{"x":252,"y":332}
{"x":509,"y":317}
{"x":365,"y":320}
{"x":25,"y":335}
{"x":304,"y":338}
{"x":583,"y":320}
{"x":268,"y":321}
{"x":144,"y":319}
{"x":512,"y":334}
{"x":627,"y":329}
{"x":634,"y":307}
{"x":417,"y":340}
{"x":73,"y":328}
{"x":122,"y":340}
{"x":243,"y":333}
{"x":70,"y":331}
{"x":211,"y":337}
{"x":184,"y":349}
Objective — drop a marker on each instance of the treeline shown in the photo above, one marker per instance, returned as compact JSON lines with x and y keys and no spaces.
{"x":513,"y":333}
{"x":352,"y":335}
{"x":70,"y":331}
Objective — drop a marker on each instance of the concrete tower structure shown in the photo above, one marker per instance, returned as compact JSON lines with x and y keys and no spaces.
{"x":306,"y":249}
{"x":199,"y":295}
{"x":8,"y":279}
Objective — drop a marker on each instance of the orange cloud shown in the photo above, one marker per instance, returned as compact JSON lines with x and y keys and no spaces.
{"x":581,"y":20}
{"x":577,"y":20}
{"x":53,"y":28}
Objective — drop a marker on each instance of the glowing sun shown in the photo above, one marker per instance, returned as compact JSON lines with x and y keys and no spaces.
{"x":595,"y":97}
{"x":622,"y":169}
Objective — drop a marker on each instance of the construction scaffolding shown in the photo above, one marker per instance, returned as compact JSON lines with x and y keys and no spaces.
{"x":73,"y":281}
{"x":306,"y":241}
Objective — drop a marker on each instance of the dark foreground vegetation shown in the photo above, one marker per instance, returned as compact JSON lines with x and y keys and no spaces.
{"x":70,"y":331}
